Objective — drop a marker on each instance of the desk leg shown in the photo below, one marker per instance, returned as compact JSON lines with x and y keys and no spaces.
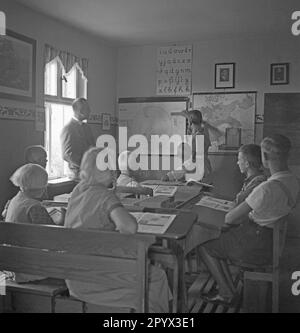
{"x":182,"y":297}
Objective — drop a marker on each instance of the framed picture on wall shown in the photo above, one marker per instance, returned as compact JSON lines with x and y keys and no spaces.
{"x":17,"y":67}
{"x":106,"y":122}
{"x":224,"y":75}
{"x":280,"y":73}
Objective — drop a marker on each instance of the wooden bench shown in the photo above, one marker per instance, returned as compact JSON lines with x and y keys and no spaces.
{"x":41,"y":288}
{"x":81,"y":255}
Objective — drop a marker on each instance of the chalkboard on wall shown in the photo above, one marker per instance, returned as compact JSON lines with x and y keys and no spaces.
{"x":282,"y":115}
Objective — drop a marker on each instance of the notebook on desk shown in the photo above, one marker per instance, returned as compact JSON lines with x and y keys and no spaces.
{"x":153,"y":222}
{"x":215,"y":203}
{"x":156,"y":182}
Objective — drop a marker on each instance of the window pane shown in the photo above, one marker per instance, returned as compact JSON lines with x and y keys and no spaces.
{"x":82,"y":85}
{"x":69,"y":84}
{"x":51,"y":78}
{"x":57,"y":116}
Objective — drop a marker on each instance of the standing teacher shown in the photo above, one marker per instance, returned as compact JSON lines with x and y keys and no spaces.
{"x":76,"y":137}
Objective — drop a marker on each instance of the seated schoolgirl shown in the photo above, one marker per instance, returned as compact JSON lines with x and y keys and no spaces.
{"x":125,"y":178}
{"x":26,"y":206}
{"x":93,"y":205}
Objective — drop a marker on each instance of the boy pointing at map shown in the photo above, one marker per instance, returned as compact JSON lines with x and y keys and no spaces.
{"x":197,"y":126}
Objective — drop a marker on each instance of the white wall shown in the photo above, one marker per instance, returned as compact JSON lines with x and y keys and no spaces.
{"x":102,"y":58}
{"x":15,"y":135}
{"x":252,"y":55}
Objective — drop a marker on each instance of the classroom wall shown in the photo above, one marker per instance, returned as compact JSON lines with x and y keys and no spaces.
{"x":15,"y":135}
{"x":253,"y":55}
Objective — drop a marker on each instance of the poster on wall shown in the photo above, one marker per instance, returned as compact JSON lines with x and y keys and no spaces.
{"x":17,"y":67}
{"x":174,"y":70}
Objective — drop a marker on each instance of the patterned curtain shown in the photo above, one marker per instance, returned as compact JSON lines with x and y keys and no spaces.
{"x":67,"y":59}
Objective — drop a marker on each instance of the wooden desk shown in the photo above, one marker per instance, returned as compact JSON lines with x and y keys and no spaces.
{"x":183,"y":195}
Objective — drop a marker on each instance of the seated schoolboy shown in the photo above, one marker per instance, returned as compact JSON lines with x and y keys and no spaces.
{"x":251,"y":240}
{"x":26,"y":207}
{"x":250,"y":164}
{"x":36,"y":155}
{"x":184,"y":153}
{"x":125,"y":178}
{"x":93,"y":205}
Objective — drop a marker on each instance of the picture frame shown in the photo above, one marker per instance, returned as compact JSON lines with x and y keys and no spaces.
{"x":279,"y":73}
{"x":106,"y":121}
{"x":224,"y":75}
{"x":17,"y":67}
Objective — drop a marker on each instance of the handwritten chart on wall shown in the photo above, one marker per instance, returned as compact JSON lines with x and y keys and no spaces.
{"x":150,"y":116}
{"x":174,"y":70}
{"x":228,"y":110}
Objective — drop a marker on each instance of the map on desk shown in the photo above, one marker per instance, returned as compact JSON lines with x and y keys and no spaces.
{"x":153,"y":222}
{"x":215,"y":203}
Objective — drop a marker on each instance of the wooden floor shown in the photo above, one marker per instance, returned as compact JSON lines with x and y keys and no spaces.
{"x":203,"y":283}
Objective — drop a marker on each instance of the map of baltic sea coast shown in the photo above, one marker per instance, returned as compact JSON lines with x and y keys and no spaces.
{"x":228,"y":110}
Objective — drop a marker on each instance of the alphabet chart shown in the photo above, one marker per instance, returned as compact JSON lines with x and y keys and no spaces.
{"x":174,"y":70}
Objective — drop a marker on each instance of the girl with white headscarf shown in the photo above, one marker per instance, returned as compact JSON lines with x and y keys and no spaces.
{"x":26,"y":206}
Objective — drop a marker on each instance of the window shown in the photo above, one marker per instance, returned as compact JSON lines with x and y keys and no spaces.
{"x":60,"y":91}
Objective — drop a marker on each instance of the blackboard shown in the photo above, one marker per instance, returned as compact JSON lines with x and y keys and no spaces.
{"x":282,"y":115}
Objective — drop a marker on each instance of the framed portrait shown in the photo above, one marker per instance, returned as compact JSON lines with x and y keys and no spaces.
{"x":280,"y":73}
{"x":17,"y":67}
{"x":106,"y":122}
{"x":224,"y":75}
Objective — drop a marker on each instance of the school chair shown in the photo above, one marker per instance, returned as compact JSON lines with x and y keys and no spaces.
{"x":267,"y":273}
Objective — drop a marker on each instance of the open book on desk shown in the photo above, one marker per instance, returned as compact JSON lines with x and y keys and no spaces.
{"x":215,"y":203}
{"x":154,"y":223}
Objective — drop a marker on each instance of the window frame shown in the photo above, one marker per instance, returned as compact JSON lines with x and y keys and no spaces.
{"x":59,"y":99}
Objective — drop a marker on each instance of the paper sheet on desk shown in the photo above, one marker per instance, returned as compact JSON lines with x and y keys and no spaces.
{"x":152,"y":222}
{"x":215,"y":203}
{"x":167,"y":190}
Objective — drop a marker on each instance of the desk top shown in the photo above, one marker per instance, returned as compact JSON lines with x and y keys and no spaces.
{"x":180,"y":227}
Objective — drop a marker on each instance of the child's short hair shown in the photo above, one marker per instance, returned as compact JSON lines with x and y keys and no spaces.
{"x":30,"y":177}
{"x":252,"y":152}
{"x":195,"y":117}
{"x":32,"y":151}
{"x":90,"y":171}
{"x":276,"y":146}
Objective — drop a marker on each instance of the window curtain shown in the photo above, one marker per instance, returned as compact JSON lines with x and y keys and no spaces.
{"x":67,"y":59}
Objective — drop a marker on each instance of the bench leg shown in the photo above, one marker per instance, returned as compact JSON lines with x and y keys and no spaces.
{"x":53,"y":303}
{"x":84,"y":307}
{"x":275,"y":294}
